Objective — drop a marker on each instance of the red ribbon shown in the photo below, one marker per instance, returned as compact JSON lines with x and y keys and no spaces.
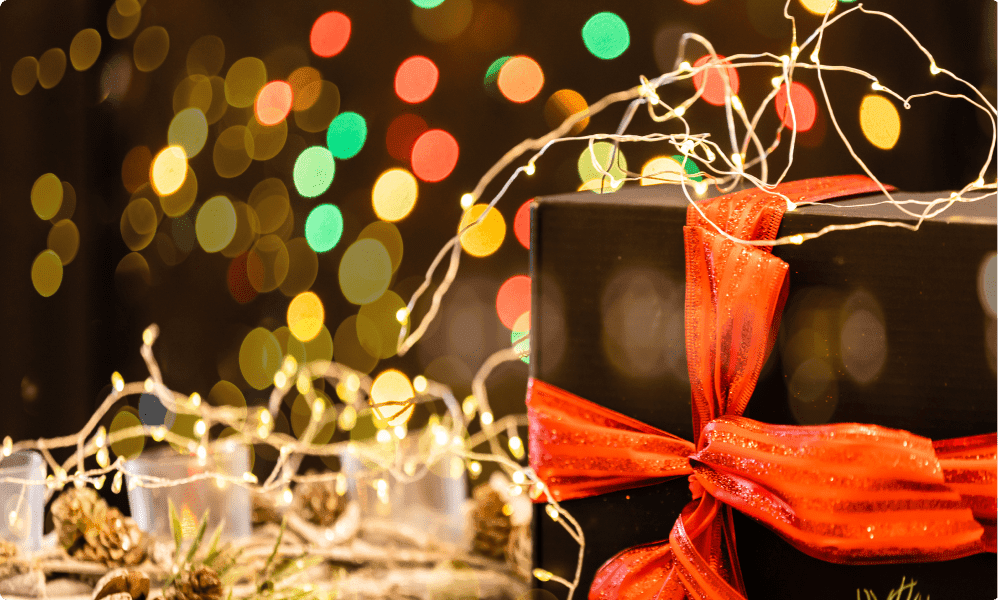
{"x":845,"y":493}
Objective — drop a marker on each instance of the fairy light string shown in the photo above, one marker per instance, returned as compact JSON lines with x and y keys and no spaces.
{"x":744,"y":162}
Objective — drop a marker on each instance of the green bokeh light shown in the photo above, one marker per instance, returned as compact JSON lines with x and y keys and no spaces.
{"x":690,"y":167}
{"x":346,"y":135}
{"x":516,"y":338}
{"x":606,"y":35}
{"x":493,"y":71}
{"x":313,"y":172}
{"x":324,"y":226}
{"x":427,"y":3}
{"x":602,"y":151}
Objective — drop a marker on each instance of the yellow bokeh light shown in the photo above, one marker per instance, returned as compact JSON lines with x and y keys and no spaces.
{"x":64,"y":240}
{"x":267,"y":263}
{"x":303,"y":267}
{"x":879,"y":121}
{"x":123,"y":17}
{"x":267,"y":140}
{"x":365,"y":271}
{"x":394,"y":194}
{"x":47,"y":196}
{"x":129,"y":447}
{"x":24,"y":75}
{"x":178,"y":203}
{"x":151,"y":47}
{"x":305,"y":316}
{"x":189,"y":130}
{"x":661,"y":169}
{"x":51,"y":68}
{"x":389,"y":235}
{"x":260,"y":358}
{"x":168,"y":170}
{"x":215,"y":225}
{"x":46,"y":273}
{"x":378,"y":325}
{"x":486,"y":237}
{"x":243,"y":80}
{"x":819,"y":7}
{"x":84,"y":49}
{"x":391,"y":398}
{"x":195,"y":91}
{"x":233,"y":151}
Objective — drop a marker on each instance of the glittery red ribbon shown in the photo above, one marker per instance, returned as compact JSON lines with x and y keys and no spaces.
{"x":844,"y":493}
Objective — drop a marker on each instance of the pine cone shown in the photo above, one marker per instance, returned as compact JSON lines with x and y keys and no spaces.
{"x":10,"y":563}
{"x":113,"y":540}
{"x":73,"y":511}
{"x":319,"y":501}
{"x":200,"y":584}
{"x":492,"y":527}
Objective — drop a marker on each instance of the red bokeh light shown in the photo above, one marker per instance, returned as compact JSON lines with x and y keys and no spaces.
{"x":522,"y":224}
{"x":434,"y":156}
{"x":711,"y":81}
{"x":416,"y":79}
{"x":403,"y":133}
{"x":513,"y":299}
{"x":238,"y":281}
{"x":803,"y":102}
{"x":329,"y":34}
{"x":520,"y":79}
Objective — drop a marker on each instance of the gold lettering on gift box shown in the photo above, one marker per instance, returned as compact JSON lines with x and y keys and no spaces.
{"x":905,"y":591}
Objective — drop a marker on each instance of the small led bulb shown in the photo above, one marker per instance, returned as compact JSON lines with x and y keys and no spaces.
{"x":530,"y":168}
{"x":117,"y":381}
{"x":467,"y":201}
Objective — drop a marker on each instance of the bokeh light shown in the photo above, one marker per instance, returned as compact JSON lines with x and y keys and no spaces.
{"x":84,"y":49}
{"x":270,"y":203}
{"x":330,"y":34}
{"x":51,"y":68}
{"x":606,"y":35}
{"x":238,"y":281}
{"x":416,"y":79}
{"x":347,"y":348}
{"x":378,"y":327}
{"x":365,"y":271}
{"x":711,"y":82}
{"x":151,"y":48}
{"x":227,"y":394}
{"x":562,"y":105}
{"x":181,"y":201}
{"x":444,"y":22}
{"x":116,"y":78}
{"x":260,"y":358}
{"x":434,"y":156}
{"x":301,"y":416}
{"x":325,"y":106}
{"x":819,"y":7}
{"x":206,"y":56}
{"x":520,"y":79}
{"x":324,"y":226}
{"x":123,"y":18}
{"x":168,"y":170}
{"x":247,"y":230}
{"x":268,"y":141}
{"x":522,"y":224}
{"x":803,"y":104}
{"x":389,"y":236}
{"x":402,"y":134}
{"x":68,"y":205}
{"x":663,"y":169}
{"x":513,"y":299}
{"x":244,"y":78}
{"x":216,"y":224}
{"x":24,"y":75}
{"x":391,"y":398}
{"x":267,"y":263}
{"x":303,"y":267}
{"x":493,"y":72}
{"x":486,"y":237}
{"x":313,"y":172}
{"x":394,"y":194}
{"x":588,"y":171}
{"x":46,"y":273}
{"x":305,"y":316}
{"x":196,"y":91}
{"x":46,"y":196}
{"x":300,"y":80}
{"x":132,"y":277}
{"x":189,"y":130}
{"x":138,"y":223}
{"x":273,"y":103}
{"x":879,"y":121}
{"x":427,"y":3}
{"x":129,"y":447}
{"x":346,"y":135}
{"x":64,"y":240}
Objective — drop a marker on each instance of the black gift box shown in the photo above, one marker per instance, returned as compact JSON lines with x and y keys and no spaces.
{"x":883,"y":325}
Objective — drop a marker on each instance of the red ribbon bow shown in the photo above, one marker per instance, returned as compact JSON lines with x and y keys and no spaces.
{"x":844,"y":493}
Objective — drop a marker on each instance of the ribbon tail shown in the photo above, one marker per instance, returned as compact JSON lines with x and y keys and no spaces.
{"x":639,"y":573}
{"x":970,"y":468}
{"x":701,"y":578}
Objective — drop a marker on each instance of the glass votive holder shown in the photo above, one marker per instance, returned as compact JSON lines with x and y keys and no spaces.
{"x":225,"y":501}
{"x":22,"y":499}
{"x":430,"y":506}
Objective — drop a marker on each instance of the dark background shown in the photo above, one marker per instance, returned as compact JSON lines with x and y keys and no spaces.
{"x":57,"y":353}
